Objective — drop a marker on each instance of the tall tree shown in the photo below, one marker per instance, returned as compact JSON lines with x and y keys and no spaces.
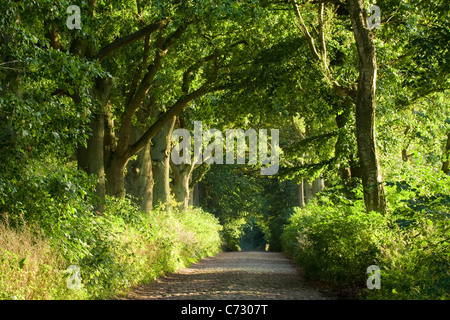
{"x":363,"y":95}
{"x":374,"y":195}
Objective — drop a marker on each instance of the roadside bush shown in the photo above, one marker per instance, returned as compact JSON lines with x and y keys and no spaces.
{"x":275,"y":228}
{"x":120,"y":249}
{"x":417,"y":258}
{"x":128,"y":247}
{"x":415,"y":262}
{"x":52,"y":225}
{"x":334,"y":243}
{"x":200,"y":233}
{"x":232,"y":232}
{"x":334,"y":240}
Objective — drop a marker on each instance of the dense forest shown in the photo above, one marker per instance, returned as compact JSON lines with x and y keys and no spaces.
{"x":137,"y":137}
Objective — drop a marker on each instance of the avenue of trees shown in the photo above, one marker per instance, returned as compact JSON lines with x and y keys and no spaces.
{"x":87,"y":114}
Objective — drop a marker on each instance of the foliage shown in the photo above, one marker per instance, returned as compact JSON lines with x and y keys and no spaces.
{"x":266,"y":78}
{"x":232,"y":233}
{"x":234,"y":196}
{"x":335,"y":240}
{"x":253,"y":238}
{"x":128,"y":247}
{"x":281,"y":197}
{"x":57,"y":227}
{"x":30,"y":267}
{"x":333,"y":243}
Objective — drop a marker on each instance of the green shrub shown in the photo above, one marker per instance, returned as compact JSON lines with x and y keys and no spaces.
{"x":115,"y":250}
{"x":417,"y":258}
{"x":232,"y":233}
{"x":29,"y":267}
{"x":334,"y":240}
{"x":128,"y":247}
{"x":333,"y":243}
{"x":416,"y":262}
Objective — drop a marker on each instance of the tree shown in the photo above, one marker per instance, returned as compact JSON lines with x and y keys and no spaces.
{"x":172,"y":81}
{"x":45,"y":91}
{"x":363,"y":96}
{"x":193,"y":28}
{"x":374,"y":195}
{"x":228,"y":50}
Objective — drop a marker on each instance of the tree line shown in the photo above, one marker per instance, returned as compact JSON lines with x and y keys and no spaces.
{"x":110,"y":93}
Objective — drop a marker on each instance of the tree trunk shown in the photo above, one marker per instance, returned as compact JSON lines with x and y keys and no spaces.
{"x":182,"y":177}
{"x":348,"y":174}
{"x":301,"y":194}
{"x":374,"y":196}
{"x":445,"y":163}
{"x":318,"y":185}
{"x":139,"y":177}
{"x":194,"y":199}
{"x":115,"y":161}
{"x":115,"y":185}
{"x":95,"y":158}
{"x":160,"y":153}
{"x":91,"y":159}
{"x":308,"y":191}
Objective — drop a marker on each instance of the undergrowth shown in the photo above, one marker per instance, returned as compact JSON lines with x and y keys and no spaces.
{"x":49,"y":224}
{"x":335,"y":240}
{"x":115,"y":251}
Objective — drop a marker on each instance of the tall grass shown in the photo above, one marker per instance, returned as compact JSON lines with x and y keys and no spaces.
{"x":53,"y":225}
{"x":30,"y":267}
{"x":115,"y":251}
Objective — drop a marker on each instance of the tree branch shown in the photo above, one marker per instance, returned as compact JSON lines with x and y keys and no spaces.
{"x":309,"y":166}
{"x":136,"y":101}
{"x":297,"y":128}
{"x":137,"y":76}
{"x":175,"y":109}
{"x":446,"y":158}
{"x":199,"y":177}
{"x":322,"y":43}
{"x":426,"y":93}
{"x":321,"y":57}
{"x":75,"y":97}
{"x":187,"y":74}
{"x":306,"y":33}
{"x":118,"y":43}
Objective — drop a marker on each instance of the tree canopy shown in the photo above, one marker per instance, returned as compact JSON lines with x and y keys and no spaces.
{"x":90,"y":98}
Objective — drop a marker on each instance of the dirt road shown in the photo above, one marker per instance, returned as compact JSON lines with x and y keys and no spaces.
{"x":232,"y":276}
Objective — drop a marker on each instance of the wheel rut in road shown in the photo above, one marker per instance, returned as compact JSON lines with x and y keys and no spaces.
{"x":245,"y":275}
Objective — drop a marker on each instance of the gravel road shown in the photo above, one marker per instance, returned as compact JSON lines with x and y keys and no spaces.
{"x":244,"y":275}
